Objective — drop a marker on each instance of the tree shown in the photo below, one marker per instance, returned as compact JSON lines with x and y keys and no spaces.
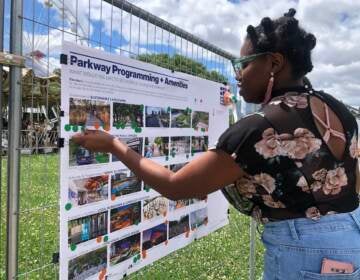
{"x":183,"y":64}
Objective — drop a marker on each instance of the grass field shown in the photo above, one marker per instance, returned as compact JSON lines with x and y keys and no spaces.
{"x":221,"y":255}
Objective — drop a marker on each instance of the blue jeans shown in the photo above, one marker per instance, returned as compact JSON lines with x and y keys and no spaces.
{"x":295,"y":248}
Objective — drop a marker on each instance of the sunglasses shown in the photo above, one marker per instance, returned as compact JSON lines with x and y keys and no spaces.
{"x":240,"y":63}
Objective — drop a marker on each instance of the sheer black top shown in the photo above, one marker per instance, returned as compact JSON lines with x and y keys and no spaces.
{"x":290,"y":170}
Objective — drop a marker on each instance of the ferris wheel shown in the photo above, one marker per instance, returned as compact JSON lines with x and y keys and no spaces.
{"x":34,"y":45}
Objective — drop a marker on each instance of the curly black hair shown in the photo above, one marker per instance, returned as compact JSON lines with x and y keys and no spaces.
{"x":284,"y":35}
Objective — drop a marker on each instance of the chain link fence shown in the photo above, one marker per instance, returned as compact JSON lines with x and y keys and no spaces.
{"x":29,"y":214}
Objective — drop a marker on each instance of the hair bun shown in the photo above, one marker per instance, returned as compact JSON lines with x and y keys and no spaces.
{"x":290,"y":13}
{"x":252,"y":33}
{"x":267,"y":24}
{"x":310,"y":41}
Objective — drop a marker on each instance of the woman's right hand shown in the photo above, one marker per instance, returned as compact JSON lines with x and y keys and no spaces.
{"x":95,"y":140}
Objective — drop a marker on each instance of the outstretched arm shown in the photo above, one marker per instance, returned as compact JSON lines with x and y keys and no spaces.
{"x":201,"y":176}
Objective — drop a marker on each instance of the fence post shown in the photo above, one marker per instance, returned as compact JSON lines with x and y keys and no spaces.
{"x":13,"y":180}
{"x":252,"y":249}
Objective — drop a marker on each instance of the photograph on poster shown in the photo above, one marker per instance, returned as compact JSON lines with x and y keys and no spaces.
{"x":198,"y":218}
{"x":180,"y":226}
{"x":87,"y":265}
{"x":134,"y":143}
{"x":200,"y":120}
{"x":81,"y":156}
{"x":124,"y":216}
{"x":127,"y":115}
{"x":180,"y":118}
{"x":89,"y":113}
{"x":157,"y":117}
{"x":154,"y":236}
{"x":124,"y":249}
{"x":176,"y":167}
{"x":177,"y":204}
{"x":88,"y":190}
{"x":87,"y":228}
{"x":180,"y":145}
{"x":155,"y":207}
{"x":124,"y":182}
{"x":199,"y":144}
{"x":156,"y":147}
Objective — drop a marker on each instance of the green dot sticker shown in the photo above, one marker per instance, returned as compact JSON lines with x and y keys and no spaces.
{"x":147,"y":189}
{"x":192,"y":154}
{"x":173,"y":154}
{"x":167,"y":158}
{"x":190,"y":110}
{"x":82,"y":128}
{"x":203,"y":129}
{"x":106,"y":238}
{"x":138,"y":129}
{"x":67,"y":127}
{"x":68,"y":206}
{"x":136,"y":222}
{"x":135,"y":259}
{"x":73,"y":247}
{"x":141,"y":107}
{"x":117,"y":125}
{"x":122,"y":126}
{"x":138,"y":257}
{"x":168,"y":109}
{"x":75,"y":128}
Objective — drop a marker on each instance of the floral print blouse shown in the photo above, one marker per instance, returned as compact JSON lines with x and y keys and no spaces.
{"x":289,"y":170}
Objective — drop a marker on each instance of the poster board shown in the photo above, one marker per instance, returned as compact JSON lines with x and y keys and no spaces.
{"x":111,"y":223}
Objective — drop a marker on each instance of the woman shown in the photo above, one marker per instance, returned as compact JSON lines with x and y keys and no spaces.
{"x":294,"y":163}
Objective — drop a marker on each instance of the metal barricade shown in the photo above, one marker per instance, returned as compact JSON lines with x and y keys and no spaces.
{"x":35,"y":29}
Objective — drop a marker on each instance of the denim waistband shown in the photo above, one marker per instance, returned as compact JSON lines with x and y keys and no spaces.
{"x":300,"y":226}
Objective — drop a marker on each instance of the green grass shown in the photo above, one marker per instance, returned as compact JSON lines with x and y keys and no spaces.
{"x":223,"y":254}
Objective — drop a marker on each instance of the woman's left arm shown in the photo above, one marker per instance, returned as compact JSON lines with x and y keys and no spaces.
{"x":207,"y":173}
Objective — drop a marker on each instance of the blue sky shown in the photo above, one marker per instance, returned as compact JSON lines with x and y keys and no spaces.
{"x":221,"y":22}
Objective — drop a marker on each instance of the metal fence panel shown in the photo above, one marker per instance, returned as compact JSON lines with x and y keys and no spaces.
{"x":114,"y":26}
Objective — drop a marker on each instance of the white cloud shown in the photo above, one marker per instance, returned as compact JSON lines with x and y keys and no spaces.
{"x":335,"y":23}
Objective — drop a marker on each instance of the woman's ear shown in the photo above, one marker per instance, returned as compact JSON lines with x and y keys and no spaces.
{"x":277,"y":62}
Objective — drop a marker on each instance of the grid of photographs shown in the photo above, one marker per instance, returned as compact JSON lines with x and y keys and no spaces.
{"x":88,"y":190}
{"x":85,"y":191}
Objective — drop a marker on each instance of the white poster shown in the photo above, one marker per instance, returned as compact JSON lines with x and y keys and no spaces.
{"x":111,"y":223}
